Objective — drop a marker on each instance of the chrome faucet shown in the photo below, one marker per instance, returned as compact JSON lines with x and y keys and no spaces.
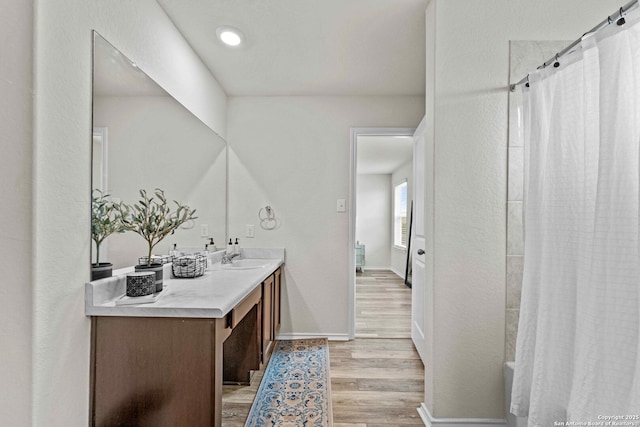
{"x":226,"y":258}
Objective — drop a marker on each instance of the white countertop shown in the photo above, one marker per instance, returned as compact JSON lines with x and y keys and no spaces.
{"x":212,"y":295}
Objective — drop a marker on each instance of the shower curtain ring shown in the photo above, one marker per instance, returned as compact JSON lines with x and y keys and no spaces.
{"x":557,"y":63}
{"x":620,"y":22}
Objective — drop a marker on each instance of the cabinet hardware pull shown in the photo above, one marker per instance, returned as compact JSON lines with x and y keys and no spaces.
{"x":420,"y":251}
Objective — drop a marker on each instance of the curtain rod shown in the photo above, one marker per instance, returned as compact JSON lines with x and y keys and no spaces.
{"x":610,"y":19}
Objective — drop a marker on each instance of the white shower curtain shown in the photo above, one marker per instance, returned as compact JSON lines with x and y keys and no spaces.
{"x":577,"y":351}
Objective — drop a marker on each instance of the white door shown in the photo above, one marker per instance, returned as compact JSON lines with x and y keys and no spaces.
{"x":418,"y":244}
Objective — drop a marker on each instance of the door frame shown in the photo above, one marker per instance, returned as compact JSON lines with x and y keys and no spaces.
{"x":353,"y":175}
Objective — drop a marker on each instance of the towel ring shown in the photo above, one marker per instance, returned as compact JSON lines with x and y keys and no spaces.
{"x":267,"y":218}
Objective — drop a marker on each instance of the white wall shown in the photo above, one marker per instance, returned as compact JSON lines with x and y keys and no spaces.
{"x":373,"y":218}
{"x":142,"y":31}
{"x":154,"y":142}
{"x":16,"y":250}
{"x":398,"y":255}
{"x":293,"y":153}
{"x":467,"y":93}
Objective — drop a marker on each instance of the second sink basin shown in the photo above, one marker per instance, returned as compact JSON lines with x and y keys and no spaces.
{"x":245,"y":264}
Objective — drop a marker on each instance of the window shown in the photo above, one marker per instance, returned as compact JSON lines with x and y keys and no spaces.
{"x":400,"y":215}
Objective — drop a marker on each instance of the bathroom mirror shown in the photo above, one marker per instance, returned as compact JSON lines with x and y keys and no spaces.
{"x":143,"y":138}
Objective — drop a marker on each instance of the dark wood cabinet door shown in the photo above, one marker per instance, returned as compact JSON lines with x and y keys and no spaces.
{"x":267,"y":316}
{"x":277,"y":296}
{"x":155,"y":371}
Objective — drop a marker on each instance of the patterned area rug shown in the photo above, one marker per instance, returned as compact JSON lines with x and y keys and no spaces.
{"x":295,"y":389}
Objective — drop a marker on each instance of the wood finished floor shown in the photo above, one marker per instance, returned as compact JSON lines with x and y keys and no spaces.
{"x":383,"y":305}
{"x":375,"y":382}
{"x":237,"y":400}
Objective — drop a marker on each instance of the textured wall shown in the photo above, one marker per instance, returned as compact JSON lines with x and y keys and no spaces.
{"x":16,"y":255}
{"x":293,"y":153}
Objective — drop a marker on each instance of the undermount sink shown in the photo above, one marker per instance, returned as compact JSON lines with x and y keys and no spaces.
{"x":245,"y":264}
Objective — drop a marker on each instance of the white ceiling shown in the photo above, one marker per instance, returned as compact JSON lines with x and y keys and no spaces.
{"x":383,"y":154}
{"x":309,"y":47}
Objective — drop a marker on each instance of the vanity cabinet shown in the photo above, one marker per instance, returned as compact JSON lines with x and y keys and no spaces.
{"x":168,"y":371}
{"x":149,"y":371}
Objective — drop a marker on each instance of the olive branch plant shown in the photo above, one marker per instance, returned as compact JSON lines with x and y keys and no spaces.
{"x":106,"y":219}
{"x":152,"y":218}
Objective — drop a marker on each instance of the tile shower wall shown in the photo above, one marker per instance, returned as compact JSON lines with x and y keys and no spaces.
{"x":524,"y":57}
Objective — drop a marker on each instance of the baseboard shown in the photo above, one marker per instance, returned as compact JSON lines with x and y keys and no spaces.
{"x":300,"y":336}
{"x":430,"y":421}
{"x":393,"y":270}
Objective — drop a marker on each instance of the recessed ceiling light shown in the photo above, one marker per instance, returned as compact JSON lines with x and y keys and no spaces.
{"x":229,"y":36}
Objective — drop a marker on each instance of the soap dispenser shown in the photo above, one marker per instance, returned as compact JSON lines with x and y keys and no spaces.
{"x":205,"y":253}
{"x":174,"y":251}
{"x":230,"y":247}
{"x":236,"y":247}
{"x":212,"y":245}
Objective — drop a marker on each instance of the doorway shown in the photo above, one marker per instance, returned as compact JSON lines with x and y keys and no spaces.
{"x":380,"y":198}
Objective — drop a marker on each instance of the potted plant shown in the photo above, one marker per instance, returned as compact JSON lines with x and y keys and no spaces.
{"x":152,"y":218}
{"x":106,"y":219}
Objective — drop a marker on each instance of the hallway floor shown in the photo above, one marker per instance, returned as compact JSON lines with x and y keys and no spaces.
{"x":383,"y":305}
{"x":377,"y":379}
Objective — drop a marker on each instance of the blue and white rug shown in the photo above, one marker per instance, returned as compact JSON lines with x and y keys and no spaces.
{"x":295,"y":389}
